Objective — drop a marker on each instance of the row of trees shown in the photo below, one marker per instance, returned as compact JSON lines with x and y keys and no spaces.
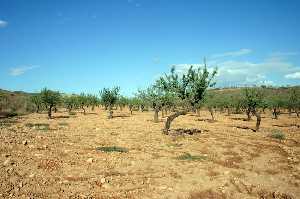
{"x":178,"y":94}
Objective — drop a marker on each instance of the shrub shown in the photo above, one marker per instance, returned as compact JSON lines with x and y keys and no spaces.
{"x":187,"y":156}
{"x":277,"y":134}
{"x":38,"y":126}
{"x":112,"y":149}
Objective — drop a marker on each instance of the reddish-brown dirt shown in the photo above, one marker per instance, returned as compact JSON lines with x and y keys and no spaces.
{"x":62,"y":161}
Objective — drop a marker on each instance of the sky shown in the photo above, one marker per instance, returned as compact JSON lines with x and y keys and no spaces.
{"x":85,"y":45}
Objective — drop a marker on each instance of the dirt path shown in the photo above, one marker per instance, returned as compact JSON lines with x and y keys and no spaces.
{"x":224,"y":162}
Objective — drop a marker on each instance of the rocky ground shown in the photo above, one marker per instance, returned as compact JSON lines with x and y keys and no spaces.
{"x":61,"y":158}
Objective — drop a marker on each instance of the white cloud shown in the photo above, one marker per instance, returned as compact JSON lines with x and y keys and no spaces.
{"x":3,"y":24}
{"x":295,"y":75}
{"x":270,"y":71}
{"x":21,"y":70}
{"x":238,"y":53}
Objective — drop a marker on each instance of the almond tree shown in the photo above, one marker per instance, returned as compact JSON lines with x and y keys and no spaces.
{"x":71,"y":102}
{"x":133,"y":102}
{"x":50,"y":99}
{"x":82,"y":101}
{"x":189,"y":88}
{"x":294,"y":101}
{"x":253,"y":97}
{"x":211,"y":104}
{"x":93,"y":101}
{"x":109,"y":98}
{"x":153,"y":96}
{"x":275,"y":102}
{"x":122,"y":102}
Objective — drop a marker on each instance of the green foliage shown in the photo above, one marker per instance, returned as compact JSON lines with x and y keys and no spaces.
{"x":37,"y":101}
{"x":252,"y":97}
{"x":38,"y":126}
{"x":92,"y":100}
{"x":82,"y":100}
{"x":109,"y":97}
{"x":123,"y":101}
{"x":277,"y":134}
{"x":294,"y":100}
{"x":211,"y":100}
{"x":275,"y":100}
{"x":190,"y":87}
{"x":50,"y":99}
{"x":71,"y":102}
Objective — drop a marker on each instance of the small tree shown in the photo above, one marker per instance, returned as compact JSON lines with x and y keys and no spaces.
{"x":153,"y":96}
{"x":92,"y":100}
{"x":50,"y":99}
{"x":294,"y":101}
{"x":109,"y":97}
{"x":275,"y":102}
{"x":252,"y":100}
{"x":71,"y":102}
{"x":122,"y":102}
{"x":82,"y":101}
{"x":37,"y":101}
{"x":133,"y":102}
{"x":190,"y":89}
{"x":211,"y":104}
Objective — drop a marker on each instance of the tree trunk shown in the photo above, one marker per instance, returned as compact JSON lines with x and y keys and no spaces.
{"x":82,"y":107}
{"x":37,"y":109}
{"x":275,"y":113}
{"x":248,"y":111}
{"x":290,"y":111}
{"x":142,"y":108}
{"x":258,"y":119}
{"x":156,"y":110}
{"x":69,"y":109}
{"x":228,"y":112}
{"x":170,"y":119}
{"x":211,"y":110}
{"x":93,"y":107}
{"x":130,"y":109}
{"x":50,"y":112}
{"x":110,"y":112}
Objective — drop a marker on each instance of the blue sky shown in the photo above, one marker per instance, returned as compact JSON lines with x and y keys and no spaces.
{"x":85,"y":45}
